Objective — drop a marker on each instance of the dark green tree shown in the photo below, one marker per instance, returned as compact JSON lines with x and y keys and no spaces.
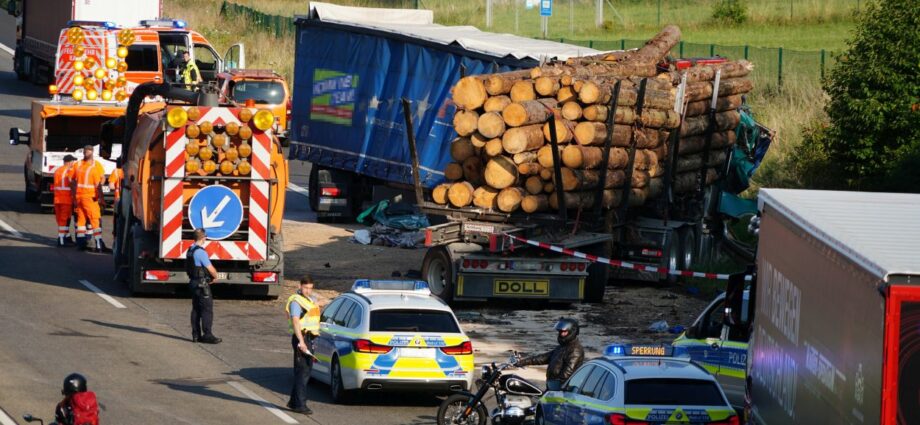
{"x":874,"y":132}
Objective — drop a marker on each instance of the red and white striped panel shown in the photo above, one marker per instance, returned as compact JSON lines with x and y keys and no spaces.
{"x":97,"y":46}
{"x":171,"y":243}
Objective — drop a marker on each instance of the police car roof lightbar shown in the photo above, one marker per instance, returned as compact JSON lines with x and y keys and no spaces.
{"x":367,"y":285}
{"x":646,"y":350}
{"x":105,"y":24}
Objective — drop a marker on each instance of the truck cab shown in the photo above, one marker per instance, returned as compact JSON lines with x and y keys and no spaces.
{"x":264,"y":88}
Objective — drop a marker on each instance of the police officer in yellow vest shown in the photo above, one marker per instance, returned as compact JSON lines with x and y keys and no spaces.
{"x":190,"y":72}
{"x":303,"y":323}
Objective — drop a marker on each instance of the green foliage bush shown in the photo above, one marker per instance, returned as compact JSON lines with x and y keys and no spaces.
{"x":874,"y":131}
{"x":729,"y":12}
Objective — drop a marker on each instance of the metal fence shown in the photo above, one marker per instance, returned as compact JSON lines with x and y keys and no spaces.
{"x":772,"y":66}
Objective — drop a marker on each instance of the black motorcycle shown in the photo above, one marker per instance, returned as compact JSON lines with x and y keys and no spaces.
{"x":516,"y":398}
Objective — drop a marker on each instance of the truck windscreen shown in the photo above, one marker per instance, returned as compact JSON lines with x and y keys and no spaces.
{"x":685,"y":392}
{"x":262,"y":92}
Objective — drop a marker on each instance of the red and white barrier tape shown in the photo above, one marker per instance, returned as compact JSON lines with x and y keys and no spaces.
{"x":621,"y":263}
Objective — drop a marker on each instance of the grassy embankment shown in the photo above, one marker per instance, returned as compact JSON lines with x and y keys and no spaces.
{"x":814,"y":25}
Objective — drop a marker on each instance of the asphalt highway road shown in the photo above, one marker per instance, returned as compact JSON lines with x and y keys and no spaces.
{"x":136,"y":352}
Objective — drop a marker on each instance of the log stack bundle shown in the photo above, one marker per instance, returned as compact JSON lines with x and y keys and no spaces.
{"x":503,"y":159}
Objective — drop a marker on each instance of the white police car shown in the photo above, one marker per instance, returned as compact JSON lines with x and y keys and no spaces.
{"x":638,"y":384}
{"x":391,"y":335}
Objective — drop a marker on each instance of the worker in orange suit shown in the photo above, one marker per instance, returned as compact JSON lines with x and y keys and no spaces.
{"x":88,"y":176}
{"x":63,"y":200}
{"x":115,"y":186}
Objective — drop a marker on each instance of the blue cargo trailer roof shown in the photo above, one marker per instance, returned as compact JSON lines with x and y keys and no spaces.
{"x":419,"y":25}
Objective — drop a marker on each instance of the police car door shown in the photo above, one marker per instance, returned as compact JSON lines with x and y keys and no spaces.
{"x":570,"y":410}
{"x":324,"y":345}
{"x":734,"y":351}
{"x":593,"y":399}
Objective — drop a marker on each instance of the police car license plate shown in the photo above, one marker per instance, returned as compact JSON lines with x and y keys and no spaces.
{"x":417,"y":353}
{"x":221,"y":276}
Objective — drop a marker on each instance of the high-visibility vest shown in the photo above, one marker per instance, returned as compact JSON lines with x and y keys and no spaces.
{"x":187,"y":76}
{"x":309,"y":318}
{"x":62,"y":189}
{"x":89,"y":175}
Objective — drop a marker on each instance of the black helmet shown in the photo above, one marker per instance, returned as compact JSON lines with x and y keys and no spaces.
{"x":74,"y":383}
{"x":566,"y":324}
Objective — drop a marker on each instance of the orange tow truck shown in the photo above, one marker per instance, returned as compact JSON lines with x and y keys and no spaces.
{"x":198,"y":163}
{"x":98,"y":66}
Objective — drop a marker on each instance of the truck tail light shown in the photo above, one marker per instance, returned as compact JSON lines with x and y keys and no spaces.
{"x":288,"y":112}
{"x":157,"y":275}
{"x":652,"y":252}
{"x":264,"y":277}
{"x":467,"y":263}
{"x":332,"y":192}
{"x":582,"y":267}
{"x":459,"y":350}
{"x":621,"y":419}
{"x":483,"y":264}
{"x":366,"y":346}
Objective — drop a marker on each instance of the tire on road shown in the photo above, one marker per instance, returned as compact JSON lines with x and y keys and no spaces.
{"x":336,"y":387}
{"x":439,"y":270}
{"x":455,"y":403}
{"x":598,"y":274}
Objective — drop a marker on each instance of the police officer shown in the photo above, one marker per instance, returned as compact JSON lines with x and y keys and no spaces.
{"x":562,"y":360}
{"x":201,"y":275}
{"x":190,"y":72}
{"x":303,"y":324}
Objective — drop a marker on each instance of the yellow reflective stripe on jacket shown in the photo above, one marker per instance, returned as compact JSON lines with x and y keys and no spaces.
{"x":309,"y":322}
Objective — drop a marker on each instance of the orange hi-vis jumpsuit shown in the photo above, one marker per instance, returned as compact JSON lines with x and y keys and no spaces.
{"x":115,"y":182}
{"x":63,"y":200}
{"x":89,"y":175}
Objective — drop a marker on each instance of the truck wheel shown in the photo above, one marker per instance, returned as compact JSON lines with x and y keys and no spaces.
{"x":438,"y":271}
{"x":134,"y":270}
{"x":598,"y":274}
{"x":674,"y":255}
{"x":18,"y":65}
{"x":688,"y":246}
{"x":31,"y":195}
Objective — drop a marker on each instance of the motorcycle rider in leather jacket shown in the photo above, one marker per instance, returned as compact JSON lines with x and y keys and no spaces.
{"x":563,"y":360}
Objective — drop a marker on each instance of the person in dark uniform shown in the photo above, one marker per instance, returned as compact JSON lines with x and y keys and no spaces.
{"x":303,"y":324}
{"x":201,"y":276}
{"x":562,"y":360}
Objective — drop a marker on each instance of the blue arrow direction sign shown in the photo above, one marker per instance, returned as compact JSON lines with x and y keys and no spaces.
{"x":217,"y":210}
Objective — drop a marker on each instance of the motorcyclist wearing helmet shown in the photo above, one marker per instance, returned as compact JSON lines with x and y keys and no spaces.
{"x":79,"y":404}
{"x":562,"y":360}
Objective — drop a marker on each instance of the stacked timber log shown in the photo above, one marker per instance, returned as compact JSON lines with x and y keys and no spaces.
{"x":503,"y":157}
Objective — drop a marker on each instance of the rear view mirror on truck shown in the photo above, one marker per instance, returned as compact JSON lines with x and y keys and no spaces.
{"x":19,"y":137}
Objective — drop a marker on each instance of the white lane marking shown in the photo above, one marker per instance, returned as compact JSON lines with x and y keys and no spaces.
{"x":298,"y":189}
{"x":99,"y":292}
{"x":5,"y":419}
{"x":7,"y":49}
{"x":9,"y":229}
{"x":268,"y":406}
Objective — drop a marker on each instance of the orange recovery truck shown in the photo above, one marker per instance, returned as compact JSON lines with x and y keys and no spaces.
{"x":195,"y":163}
{"x":98,"y":65}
